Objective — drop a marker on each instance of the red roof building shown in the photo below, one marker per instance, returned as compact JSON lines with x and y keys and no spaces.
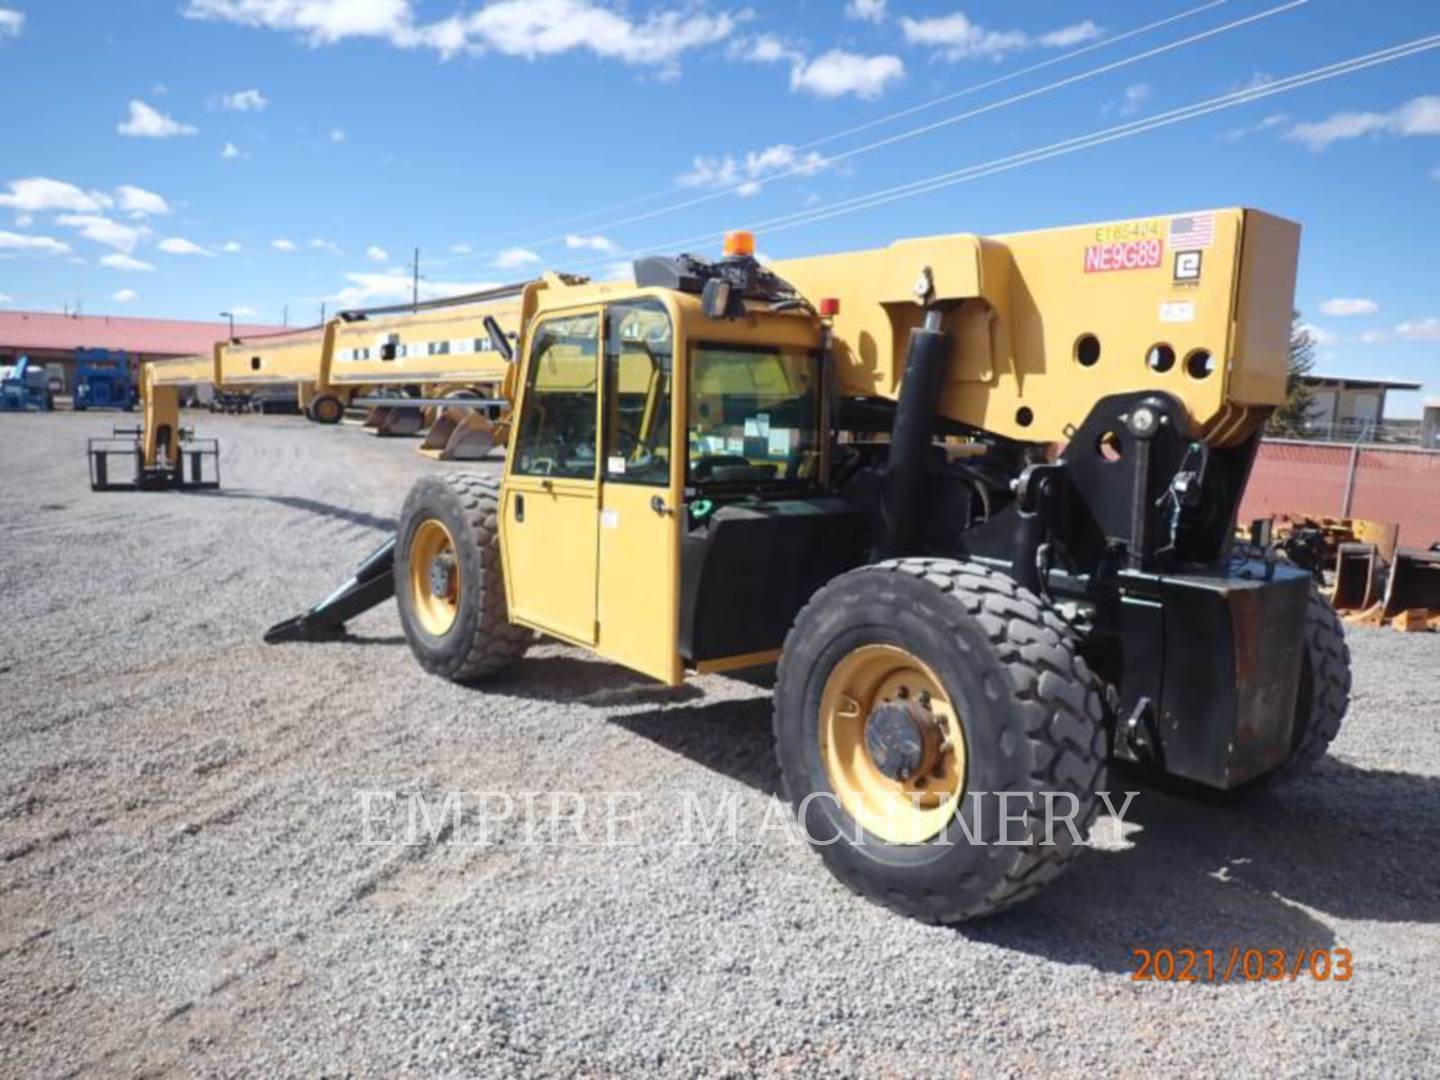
{"x":47,"y":336}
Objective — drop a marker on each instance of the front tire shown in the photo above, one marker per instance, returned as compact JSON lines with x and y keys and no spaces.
{"x":976,"y":662}
{"x":449,"y":580}
{"x":326,"y":409}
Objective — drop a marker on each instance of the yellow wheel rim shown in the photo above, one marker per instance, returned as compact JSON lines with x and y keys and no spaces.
{"x":909,"y":810}
{"x":434,"y":577}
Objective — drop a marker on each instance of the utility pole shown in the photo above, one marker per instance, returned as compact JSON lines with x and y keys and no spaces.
{"x":285,"y":316}
{"x":415,"y":281}
{"x":322,"y":312}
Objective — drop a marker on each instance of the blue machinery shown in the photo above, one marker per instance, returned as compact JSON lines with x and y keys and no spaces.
{"x":25,"y":385}
{"x":105,"y":379}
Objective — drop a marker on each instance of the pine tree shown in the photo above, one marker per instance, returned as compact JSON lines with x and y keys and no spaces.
{"x":1289,"y":420}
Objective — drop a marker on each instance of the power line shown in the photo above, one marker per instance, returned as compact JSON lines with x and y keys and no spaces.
{"x":1066,"y":146}
{"x":877,"y":121}
{"x":948,"y":121}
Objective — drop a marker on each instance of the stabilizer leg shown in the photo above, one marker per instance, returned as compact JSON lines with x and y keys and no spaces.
{"x":371,"y":585}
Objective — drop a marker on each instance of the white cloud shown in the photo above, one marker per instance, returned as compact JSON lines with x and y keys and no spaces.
{"x":960,"y":39}
{"x":148,"y":123}
{"x":337,"y":135}
{"x":866,"y":10}
{"x":231,"y":152}
{"x":245,"y":101}
{"x":1349,"y":305}
{"x":11,"y":22}
{"x":231,"y":247}
{"x":512,"y":258}
{"x":125,"y":296}
{"x":322,"y":22}
{"x":602,"y":244}
{"x":617,"y":271}
{"x":139,"y":203}
{"x":745,"y":174}
{"x":765,"y":49}
{"x":1267,"y":124}
{"x":38,"y":194}
{"x":375,"y":253}
{"x":365,"y":289}
{"x":283,"y":245}
{"x":326,"y":245}
{"x":526,"y":28}
{"x":1134,"y":97}
{"x":126,"y":263}
{"x":6,"y":298}
{"x":1427,"y":329}
{"x":178,"y":245}
{"x":461,"y":249}
{"x":240,"y":311}
{"x":44,"y":245}
{"x":103,"y":230}
{"x":1067,"y":37}
{"x":1418,"y":116}
{"x":838,"y":73}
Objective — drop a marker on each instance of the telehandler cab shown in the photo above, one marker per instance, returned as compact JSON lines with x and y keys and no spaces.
{"x":975,"y":495}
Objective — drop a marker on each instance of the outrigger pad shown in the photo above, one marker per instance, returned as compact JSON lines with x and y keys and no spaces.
{"x":372,"y":584}
{"x":197,"y":467}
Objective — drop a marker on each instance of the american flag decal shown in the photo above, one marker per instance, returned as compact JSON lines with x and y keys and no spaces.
{"x":1191,"y":231}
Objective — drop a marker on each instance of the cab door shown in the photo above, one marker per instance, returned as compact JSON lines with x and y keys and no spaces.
{"x":642,"y":478}
{"x":550,"y":505}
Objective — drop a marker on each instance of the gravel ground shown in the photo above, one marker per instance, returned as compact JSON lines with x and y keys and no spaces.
{"x":185,"y":886}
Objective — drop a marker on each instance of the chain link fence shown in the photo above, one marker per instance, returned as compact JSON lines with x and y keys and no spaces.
{"x":1380,"y":483}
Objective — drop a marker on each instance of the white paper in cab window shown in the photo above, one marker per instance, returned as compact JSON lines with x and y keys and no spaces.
{"x":782,"y":441}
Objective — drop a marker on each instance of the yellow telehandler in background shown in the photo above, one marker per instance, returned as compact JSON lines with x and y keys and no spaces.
{"x":976,"y":495}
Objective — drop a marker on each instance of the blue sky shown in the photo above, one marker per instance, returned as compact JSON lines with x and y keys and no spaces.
{"x":185,"y":157}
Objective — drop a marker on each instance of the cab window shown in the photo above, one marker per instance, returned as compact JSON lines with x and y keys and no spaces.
{"x":639,"y":355}
{"x":754,"y":415}
{"x":557,"y":434}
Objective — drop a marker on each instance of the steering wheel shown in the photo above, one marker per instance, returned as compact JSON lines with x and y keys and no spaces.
{"x":703,"y":468}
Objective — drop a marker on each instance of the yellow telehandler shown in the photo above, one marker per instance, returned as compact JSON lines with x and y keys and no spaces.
{"x":976,"y":495}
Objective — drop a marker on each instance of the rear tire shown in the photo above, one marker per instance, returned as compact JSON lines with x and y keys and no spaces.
{"x":478,"y":640}
{"x":1027,"y":708}
{"x":326,"y":409}
{"x":1324,"y":693}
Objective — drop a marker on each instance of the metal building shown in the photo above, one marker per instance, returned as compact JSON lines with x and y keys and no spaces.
{"x":51,"y":338}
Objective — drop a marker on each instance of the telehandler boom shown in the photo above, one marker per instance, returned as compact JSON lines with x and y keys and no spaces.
{"x":430,"y":365}
{"x":976,"y":495}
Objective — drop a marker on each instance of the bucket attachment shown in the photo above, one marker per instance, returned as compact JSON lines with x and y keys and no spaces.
{"x":371,"y":585}
{"x":1357,"y":577}
{"x":388,"y":420}
{"x":460,"y":434}
{"x":1414,"y":582}
{"x":196,"y":468}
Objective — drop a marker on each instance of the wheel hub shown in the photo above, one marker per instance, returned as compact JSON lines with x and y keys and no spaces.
{"x":442,"y":575}
{"x":901,"y":738}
